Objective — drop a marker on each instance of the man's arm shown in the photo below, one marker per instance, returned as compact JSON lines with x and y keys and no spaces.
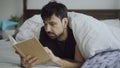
{"x":66,"y":63}
{"x":78,"y":55}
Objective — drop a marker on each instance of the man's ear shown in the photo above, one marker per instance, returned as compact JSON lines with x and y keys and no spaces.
{"x":65,"y":22}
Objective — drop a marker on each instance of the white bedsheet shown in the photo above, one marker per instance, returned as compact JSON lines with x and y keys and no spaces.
{"x":9,"y":59}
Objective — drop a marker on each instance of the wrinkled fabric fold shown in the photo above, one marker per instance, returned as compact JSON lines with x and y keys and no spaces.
{"x":106,"y":59}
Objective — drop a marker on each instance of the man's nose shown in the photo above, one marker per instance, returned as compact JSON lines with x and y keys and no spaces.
{"x":48,"y":28}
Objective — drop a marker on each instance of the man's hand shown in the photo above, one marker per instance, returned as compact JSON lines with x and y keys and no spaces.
{"x":50,"y":53}
{"x":30,"y":61}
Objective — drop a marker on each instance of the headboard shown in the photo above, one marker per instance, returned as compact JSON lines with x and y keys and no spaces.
{"x":98,"y":13}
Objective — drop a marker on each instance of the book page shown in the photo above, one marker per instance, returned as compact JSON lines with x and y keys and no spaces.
{"x":12,"y":40}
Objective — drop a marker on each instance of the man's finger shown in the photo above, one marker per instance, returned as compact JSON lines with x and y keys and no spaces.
{"x":32,"y":60}
{"x":35,"y":62}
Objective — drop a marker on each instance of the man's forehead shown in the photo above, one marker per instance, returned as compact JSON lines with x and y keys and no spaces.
{"x":52,"y":19}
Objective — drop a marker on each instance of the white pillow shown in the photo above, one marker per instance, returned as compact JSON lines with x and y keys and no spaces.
{"x":112,"y":22}
{"x":92,"y":36}
{"x":114,"y":25}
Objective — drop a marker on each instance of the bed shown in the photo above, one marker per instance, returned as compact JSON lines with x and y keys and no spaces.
{"x":8,"y":58}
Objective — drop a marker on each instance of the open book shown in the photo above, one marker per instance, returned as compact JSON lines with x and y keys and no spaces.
{"x":30,"y":47}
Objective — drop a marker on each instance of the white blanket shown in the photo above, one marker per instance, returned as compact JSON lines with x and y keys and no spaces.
{"x":92,"y":36}
{"x":30,"y":28}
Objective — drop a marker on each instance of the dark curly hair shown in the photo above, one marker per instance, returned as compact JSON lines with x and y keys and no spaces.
{"x":51,"y":8}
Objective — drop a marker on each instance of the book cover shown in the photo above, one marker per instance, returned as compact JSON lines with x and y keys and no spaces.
{"x":31,"y":47}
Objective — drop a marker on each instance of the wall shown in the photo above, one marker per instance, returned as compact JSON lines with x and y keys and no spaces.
{"x":78,"y":4}
{"x":10,"y":8}
{"x":118,"y":4}
{"x":19,"y":7}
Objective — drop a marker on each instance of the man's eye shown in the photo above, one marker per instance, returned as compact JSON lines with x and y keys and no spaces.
{"x":52,"y":24}
{"x":45,"y":24}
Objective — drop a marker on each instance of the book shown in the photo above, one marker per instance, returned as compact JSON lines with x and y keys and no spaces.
{"x":30,"y":47}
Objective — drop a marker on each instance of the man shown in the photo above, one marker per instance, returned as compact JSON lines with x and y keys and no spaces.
{"x":57,"y":38}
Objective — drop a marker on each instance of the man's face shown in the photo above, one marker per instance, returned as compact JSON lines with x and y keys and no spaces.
{"x":54,"y":27}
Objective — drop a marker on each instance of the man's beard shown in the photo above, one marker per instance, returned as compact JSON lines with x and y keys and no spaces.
{"x":55,"y":36}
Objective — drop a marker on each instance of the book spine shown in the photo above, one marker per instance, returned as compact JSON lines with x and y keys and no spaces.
{"x":21,"y":53}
